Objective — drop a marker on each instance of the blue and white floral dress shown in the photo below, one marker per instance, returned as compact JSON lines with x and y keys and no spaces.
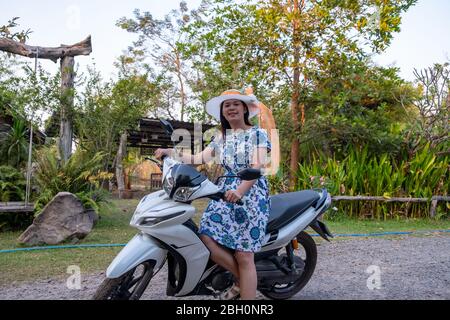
{"x":239,"y":227}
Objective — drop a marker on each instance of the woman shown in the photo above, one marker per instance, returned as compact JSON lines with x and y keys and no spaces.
{"x":226,"y":226}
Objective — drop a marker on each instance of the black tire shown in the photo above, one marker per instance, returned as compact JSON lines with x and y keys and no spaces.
{"x":129,"y":286}
{"x":310,"y":249}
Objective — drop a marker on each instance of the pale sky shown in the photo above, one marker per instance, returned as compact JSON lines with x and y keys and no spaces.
{"x":423,"y":40}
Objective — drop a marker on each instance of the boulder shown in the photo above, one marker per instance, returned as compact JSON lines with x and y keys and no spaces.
{"x":63,"y":219}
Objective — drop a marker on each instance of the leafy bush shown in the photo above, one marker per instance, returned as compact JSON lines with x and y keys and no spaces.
{"x":12,"y":184}
{"x":93,"y":199}
{"x":422,"y":176}
{"x":80,"y":175}
{"x":12,"y":188}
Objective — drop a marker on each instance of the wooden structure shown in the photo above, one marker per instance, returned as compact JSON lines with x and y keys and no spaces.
{"x":66,"y":54}
{"x":16,"y":207}
{"x":38,"y":137}
{"x":150,"y":135}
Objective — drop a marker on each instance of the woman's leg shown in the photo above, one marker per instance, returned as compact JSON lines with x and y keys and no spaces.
{"x":221,"y":256}
{"x":247,"y":272}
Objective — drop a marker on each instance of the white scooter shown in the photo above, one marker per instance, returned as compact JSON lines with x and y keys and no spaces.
{"x":284,"y":265}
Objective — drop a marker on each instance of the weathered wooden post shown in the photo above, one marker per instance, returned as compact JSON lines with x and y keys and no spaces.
{"x":66,"y":126}
{"x":66,"y":54}
{"x":121,"y":152}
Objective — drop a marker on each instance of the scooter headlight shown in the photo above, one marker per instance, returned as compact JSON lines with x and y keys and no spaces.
{"x":168,"y":183}
{"x":183,"y":193}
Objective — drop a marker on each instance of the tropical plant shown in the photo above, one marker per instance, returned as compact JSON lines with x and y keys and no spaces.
{"x":379,"y":175}
{"x":12,"y":184}
{"x":14,"y":144}
{"x":12,"y":189}
{"x":80,"y":175}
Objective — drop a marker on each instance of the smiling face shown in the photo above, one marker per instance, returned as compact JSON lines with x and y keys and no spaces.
{"x":233,"y":110}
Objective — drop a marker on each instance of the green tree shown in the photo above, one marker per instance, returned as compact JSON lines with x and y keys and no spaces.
{"x":286,"y":45}
{"x":356,"y":105}
{"x":433,"y":106}
{"x":157,"y":51}
{"x":105,"y":110}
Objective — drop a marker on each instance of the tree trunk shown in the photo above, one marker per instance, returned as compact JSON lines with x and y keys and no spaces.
{"x":67,"y":93}
{"x":119,"y":166}
{"x":66,"y":53}
{"x":295,"y":146}
{"x":182,"y":91}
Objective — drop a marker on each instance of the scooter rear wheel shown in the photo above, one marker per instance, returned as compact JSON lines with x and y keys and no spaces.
{"x":129,"y":286}
{"x":310,"y":258}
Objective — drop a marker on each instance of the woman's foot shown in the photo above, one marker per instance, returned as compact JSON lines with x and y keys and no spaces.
{"x":231,"y":293}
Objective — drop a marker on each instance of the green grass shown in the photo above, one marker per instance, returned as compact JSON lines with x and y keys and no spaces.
{"x":113,"y":227}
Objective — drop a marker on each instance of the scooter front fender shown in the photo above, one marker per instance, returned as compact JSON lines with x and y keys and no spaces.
{"x":141,"y":248}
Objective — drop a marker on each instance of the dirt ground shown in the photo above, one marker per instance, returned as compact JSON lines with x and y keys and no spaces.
{"x":407,"y":267}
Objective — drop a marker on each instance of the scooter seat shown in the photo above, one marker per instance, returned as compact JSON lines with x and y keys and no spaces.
{"x":286,"y":207}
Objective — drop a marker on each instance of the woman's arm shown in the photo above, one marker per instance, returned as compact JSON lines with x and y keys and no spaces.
{"x":197,"y":159}
{"x":203,"y":157}
{"x":259,"y":160}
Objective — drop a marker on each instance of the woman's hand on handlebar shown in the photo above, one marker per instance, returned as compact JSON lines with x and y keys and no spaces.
{"x":233,"y":196}
{"x":159,"y":153}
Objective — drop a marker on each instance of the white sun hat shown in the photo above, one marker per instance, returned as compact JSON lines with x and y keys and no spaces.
{"x":213,"y":105}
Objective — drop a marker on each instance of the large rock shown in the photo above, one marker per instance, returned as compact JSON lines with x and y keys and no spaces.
{"x":63,"y":218}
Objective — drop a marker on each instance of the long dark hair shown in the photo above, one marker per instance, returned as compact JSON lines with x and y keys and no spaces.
{"x":225,"y":125}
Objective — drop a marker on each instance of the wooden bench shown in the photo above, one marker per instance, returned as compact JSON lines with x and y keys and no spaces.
{"x":16,"y":207}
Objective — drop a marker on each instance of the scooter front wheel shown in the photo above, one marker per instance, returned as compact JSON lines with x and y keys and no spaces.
{"x":129,"y":286}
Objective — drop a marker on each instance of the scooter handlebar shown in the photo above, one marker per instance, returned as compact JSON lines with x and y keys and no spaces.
{"x":221,"y":196}
{"x":218,"y":196}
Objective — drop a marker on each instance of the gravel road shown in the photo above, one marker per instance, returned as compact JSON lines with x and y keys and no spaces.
{"x":409,"y":267}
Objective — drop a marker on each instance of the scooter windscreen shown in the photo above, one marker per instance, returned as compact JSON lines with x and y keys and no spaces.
{"x":181,"y":181}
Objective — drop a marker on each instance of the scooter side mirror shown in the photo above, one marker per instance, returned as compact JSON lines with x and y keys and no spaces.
{"x":249,"y":174}
{"x":166,"y":126}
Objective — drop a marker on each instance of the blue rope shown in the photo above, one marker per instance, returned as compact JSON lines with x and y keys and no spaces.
{"x":81,"y":246}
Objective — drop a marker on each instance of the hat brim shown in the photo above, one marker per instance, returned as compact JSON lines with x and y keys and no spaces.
{"x":213,"y":105}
